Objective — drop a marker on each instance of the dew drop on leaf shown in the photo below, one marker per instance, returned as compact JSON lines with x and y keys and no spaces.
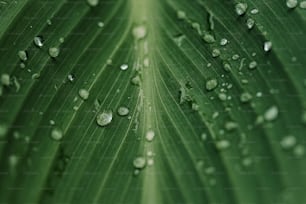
{"x":271,"y":114}
{"x":223,"y":42}
{"x":150,"y":135}
{"x":241,"y":8}
{"x":216,"y":52}
{"x":71,"y":77}
{"x":181,"y":15}
{"x":139,"y":32}
{"x":254,"y":11}
{"x":123,"y":111}
{"x":56,"y":134}
{"x":303,"y":4}
{"x":139,"y":162}
{"x":3,"y":130}
{"x":245,"y":97}
{"x":84,"y":94}
{"x":288,"y":142}
{"x":223,"y":144}
{"x":267,"y":46}
{"x":54,"y":52}
{"x":299,"y":150}
{"x":250,"y":23}
{"x":5,"y":79}
{"x":208,"y":38}
{"x":291,"y":3}
{"x":211,"y":84}
{"x":252,"y":65}
{"x":93,"y":3}
{"x":124,"y":67}
{"x":38,"y":41}
{"x":104,"y":118}
{"x":23,"y":55}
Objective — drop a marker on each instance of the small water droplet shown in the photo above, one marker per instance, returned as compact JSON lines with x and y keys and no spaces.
{"x":100,"y":24}
{"x":223,"y":42}
{"x":299,"y":151}
{"x":291,"y":3}
{"x":241,"y":8}
{"x":105,"y":118}
{"x":216,"y":52}
{"x":303,"y":4}
{"x":250,"y":23}
{"x":139,"y":32}
{"x":84,"y":94}
{"x":5,"y":79}
{"x":267,"y":46}
{"x":222,"y":96}
{"x":245,"y":97}
{"x":181,"y":15}
{"x":56,"y":134}
{"x":211,"y":84}
{"x":38,"y":41}
{"x":235,"y":57}
{"x":223,"y":144}
{"x":136,"y":80}
{"x":61,"y":40}
{"x":139,"y":162}
{"x":54,"y":52}
{"x":230,"y":125}
{"x":288,"y":142}
{"x":93,"y":3}
{"x":71,"y":77}
{"x":3,"y":130}
{"x":208,"y":38}
{"x":123,"y":111}
{"x":23,"y":55}
{"x":252,"y":65}
{"x":254,"y":11}
{"x":150,"y":135}
{"x":271,"y":114}
{"x":124,"y":67}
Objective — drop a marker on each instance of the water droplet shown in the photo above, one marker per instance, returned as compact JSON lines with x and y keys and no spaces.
{"x":245,"y":97}
{"x":254,"y":11}
{"x":299,"y":150}
{"x":123,"y":111}
{"x":136,"y":80}
{"x":288,"y":142}
{"x":54,"y":52}
{"x":38,"y":41}
{"x":3,"y":130}
{"x":230,"y":125}
{"x":139,"y":162}
{"x":223,"y":42}
{"x":267,"y":46}
{"x":271,"y":114}
{"x":139,"y":32}
{"x":250,"y":23}
{"x":105,"y":118}
{"x":216,"y":52}
{"x":124,"y":67}
{"x":241,"y":8}
{"x":150,"y":135}
{"x":211,"y":84}
{"x":13,"y":160}
{"x":22,"y":65}
{"x":71,"y":77}
{"x":49,"y":22}
{"x":56,"y":134}
{"x":23,"y":55}
{"x":52,"y":122}
{"x":35,"y":76}
{"x":100,"y":24}
{"x":5,"y":79}
{"x":303,"y":4}
{"x":235,"y":57}
{"x":208,"y":38}
{"x":84,"y":94}
{"x":222,"y":96}
{"x":227,"y":67}
{"x":150,"y":162}
{"x":93,"y":3}
{"x":253,"y":65}
{"x":61,"y":40}
{"x":291,"y":3}
{"x":181,"y":15}
{"x":223,"y":144}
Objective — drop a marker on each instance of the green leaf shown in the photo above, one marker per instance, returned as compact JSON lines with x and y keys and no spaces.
{"x":152,"y":101}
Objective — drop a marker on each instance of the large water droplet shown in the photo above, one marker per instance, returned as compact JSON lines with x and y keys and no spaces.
{"x":267,"y":46}
{"x":105,"y":118}
{"x":124,"y":67}
{"x":288,"y":142}
{"x":139,"y":32}
{"x":291,"y":3}
{"x":5,"y":79}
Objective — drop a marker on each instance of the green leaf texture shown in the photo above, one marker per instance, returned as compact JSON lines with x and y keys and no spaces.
{"x":220,"y":84}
